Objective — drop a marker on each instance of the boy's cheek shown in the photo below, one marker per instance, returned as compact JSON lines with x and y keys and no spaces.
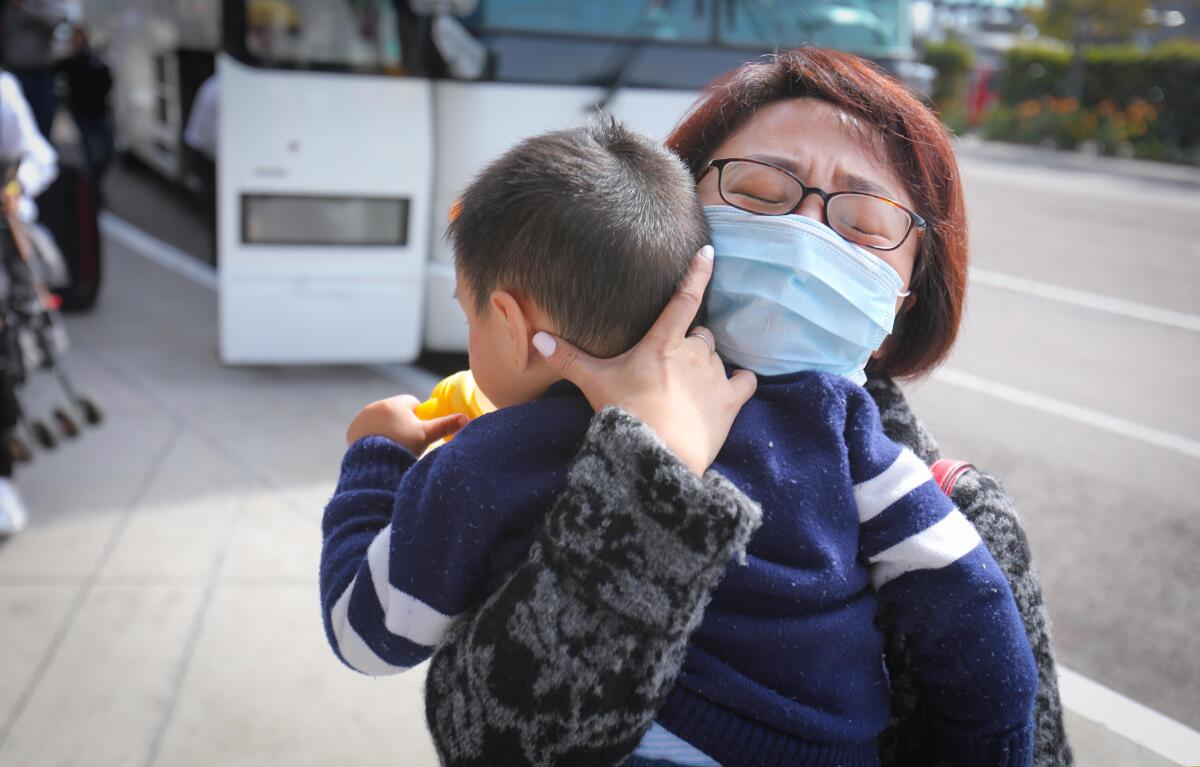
{"x":483,"y":367}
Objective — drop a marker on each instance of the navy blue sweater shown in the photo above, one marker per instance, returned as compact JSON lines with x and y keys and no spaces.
{"x":786,"y":667}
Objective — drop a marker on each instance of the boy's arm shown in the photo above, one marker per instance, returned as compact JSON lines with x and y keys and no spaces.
{"x":983,"y":501}
{"x":569,"y":661}
{"x":948,"y":598}
{"x":397,"y":559}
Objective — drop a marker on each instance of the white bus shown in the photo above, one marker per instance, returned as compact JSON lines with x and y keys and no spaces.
{"x":348,"y":127}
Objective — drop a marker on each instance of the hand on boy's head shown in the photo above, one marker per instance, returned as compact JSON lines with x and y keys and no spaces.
{"x":394,"y":418}
{"x":672,"y":380}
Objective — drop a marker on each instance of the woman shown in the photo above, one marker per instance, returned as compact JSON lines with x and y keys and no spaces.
{"x":580,"y":673}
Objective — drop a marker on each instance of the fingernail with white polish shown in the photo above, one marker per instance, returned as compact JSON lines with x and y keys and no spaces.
{"x":544,"y":343}
{"x":706,"y":252}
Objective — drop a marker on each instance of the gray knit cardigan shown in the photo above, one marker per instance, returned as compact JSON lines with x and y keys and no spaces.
{"x":569,"y":661}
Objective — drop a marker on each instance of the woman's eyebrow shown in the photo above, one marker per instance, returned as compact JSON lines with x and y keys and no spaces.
{"x":846,"y":182}
{"x":851,"y":182}
{"x":783,"y":162}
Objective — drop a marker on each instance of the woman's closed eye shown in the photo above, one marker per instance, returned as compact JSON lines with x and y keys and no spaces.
{"x":760,"y":198}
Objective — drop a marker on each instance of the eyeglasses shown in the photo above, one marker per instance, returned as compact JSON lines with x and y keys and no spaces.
{"x":767,"y":190}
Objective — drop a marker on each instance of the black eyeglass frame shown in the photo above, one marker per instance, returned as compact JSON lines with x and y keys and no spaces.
{"x":914,"y":219}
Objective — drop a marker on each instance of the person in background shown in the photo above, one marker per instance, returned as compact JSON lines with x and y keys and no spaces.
{"x":24,"y":148}
{"x":201,"y":131}
{"x":89,"y":82}
{"x":200,"y":140}
{"x":28,"y":53}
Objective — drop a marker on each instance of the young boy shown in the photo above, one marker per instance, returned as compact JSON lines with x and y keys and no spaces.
{"x":585,"y":234}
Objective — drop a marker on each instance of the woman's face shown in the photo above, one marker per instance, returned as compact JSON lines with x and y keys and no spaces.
{"x":821,"y":145}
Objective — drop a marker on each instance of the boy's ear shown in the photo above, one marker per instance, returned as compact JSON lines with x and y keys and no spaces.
{"x":517,"y":326}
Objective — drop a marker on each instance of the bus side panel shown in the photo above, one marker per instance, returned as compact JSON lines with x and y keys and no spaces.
{"x":302,"y":157}
{"x":476,"y":123}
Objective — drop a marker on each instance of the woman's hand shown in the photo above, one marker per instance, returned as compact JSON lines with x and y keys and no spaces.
{"x":672,"y":380}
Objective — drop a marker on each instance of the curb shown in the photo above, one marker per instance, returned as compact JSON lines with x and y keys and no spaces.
{"x":973,"y":148}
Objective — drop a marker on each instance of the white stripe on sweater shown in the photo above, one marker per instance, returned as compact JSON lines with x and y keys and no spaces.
{"x":934,"y":547}
{"x":352,"y":647}
{"x":907,"y":473}
{"x":661,"y":743}
{"x":404,"y":615}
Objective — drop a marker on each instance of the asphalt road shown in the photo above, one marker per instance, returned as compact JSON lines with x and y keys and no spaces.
{"x":1072,"y":380}
{"x":1085,"y":406}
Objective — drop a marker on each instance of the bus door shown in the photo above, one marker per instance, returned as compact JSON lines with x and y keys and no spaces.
{"x":325,"y":172}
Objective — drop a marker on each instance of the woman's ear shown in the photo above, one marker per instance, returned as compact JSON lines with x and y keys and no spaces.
{"x":517,"y":327}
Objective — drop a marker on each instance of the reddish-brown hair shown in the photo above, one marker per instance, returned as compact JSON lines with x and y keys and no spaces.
{"x":913,"y":140}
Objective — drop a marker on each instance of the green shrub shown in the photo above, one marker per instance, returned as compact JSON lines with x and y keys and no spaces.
{"x":953,"y":61}
{"x":1136,"y":129}
{"x":1174,"y":73}
{"x":1034,"y":71}
{"x":1122,"y":86}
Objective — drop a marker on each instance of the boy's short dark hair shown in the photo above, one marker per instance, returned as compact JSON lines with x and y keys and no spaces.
{"x":596,"y":225}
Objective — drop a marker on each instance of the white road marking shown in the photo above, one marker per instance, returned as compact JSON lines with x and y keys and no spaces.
{"x":1083,"y":415}
{"x":1087,"y":300}
{"x":162,"y":253}
{"x":1128,"y":719}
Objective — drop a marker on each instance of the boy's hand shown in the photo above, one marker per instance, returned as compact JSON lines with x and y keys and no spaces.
{"x":394,"y":418}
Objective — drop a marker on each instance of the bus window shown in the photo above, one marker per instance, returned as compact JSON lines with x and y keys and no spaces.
{"x":684,"y":21}
{"x":862,"y":26}
{"x":350,"y":34}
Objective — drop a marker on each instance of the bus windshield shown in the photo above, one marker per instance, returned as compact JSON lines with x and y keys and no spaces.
{"x":863,"y":26}
{"x":540,"y":40}
{"x":859,"y":26}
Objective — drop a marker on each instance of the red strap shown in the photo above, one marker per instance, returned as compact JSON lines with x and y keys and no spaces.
{"x":947,"y":472}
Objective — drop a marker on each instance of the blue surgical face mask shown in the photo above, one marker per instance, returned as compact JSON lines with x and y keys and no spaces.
{"x":789,"y":294}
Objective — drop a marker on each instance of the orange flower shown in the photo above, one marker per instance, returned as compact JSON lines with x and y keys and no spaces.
{"x":1028,"y":109}
{"x":1063,"y":106}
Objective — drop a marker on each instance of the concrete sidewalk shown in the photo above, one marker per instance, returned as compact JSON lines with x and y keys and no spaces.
{"x":162,"y":607}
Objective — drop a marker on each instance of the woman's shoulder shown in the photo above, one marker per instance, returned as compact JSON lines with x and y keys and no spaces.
{"x":899,"y":422}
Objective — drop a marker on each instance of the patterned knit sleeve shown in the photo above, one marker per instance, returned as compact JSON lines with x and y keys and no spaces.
{"x":984,"y":503}
{"x":570,"y":660}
